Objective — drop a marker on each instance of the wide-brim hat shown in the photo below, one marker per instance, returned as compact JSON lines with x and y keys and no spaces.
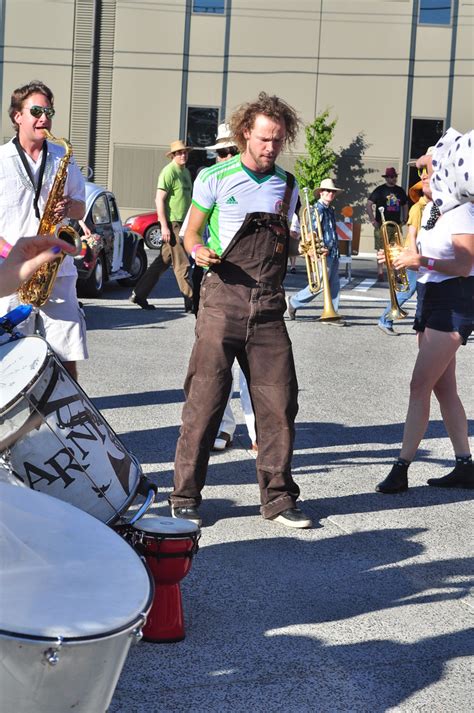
{"x":178,"y":146}
{"x":224,"y":139}
{"x":415,"y":192}
{"x":327,"y":184}
{"x":390,"y":172}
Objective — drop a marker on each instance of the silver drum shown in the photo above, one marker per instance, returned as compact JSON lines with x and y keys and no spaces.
{"x":54,"y":440}
{"x":74,"y":598}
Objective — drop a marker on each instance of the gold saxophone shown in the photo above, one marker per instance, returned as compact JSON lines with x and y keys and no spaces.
{"x":312,"y":245}
{"x":397,"y":279}
{"x":37,"y":290}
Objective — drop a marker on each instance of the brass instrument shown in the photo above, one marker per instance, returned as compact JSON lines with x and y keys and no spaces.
{"x":312,"y":245}
{"x":397,"y":279}
{"x":37,"y":290}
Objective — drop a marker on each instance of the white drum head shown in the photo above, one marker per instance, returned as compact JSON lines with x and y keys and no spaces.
{"x":63,"y":572}
{"x":20,"y":362}
{"x":167,"y":526}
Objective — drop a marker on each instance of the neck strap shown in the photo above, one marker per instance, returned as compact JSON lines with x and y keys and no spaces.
{"x":26,"y":166}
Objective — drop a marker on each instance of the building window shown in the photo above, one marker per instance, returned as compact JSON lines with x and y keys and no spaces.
{"x":435,"y":12}
{"x":201,"y":131}
{"x":212,"y":7}
{"x":424,"y":133}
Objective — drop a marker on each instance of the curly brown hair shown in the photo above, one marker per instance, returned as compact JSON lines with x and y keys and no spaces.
{"x":22,"y":93}
{"x":243,"y":118}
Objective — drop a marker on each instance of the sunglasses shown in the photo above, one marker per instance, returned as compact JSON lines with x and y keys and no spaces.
{"x":222,"y":153}
{"x":181,"y":152}
{"x":422,"y":172}
{"x":37,"y":111}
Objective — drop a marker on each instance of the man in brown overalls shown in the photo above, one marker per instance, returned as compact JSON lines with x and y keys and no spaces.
{"x":246,"y":203}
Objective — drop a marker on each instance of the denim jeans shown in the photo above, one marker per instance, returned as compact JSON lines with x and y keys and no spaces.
{"x":402,"y":297}
{"x":304,"y":296}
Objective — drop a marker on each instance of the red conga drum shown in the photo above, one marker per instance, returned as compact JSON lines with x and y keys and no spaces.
{"x":168,"y":545}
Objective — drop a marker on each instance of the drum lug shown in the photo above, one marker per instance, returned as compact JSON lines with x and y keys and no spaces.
{"x":137,"y":632}
{"x":51,"y":655}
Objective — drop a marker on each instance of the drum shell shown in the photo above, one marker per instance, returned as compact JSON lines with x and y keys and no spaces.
{"x":169,"y":560}
{"x":83,"y":679}
{"x":59,"y":443}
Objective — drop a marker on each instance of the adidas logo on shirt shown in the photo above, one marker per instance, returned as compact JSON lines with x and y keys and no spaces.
{"x":231,"y":201}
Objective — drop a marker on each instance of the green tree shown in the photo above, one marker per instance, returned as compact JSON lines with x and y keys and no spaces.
{"x":320,"y":160}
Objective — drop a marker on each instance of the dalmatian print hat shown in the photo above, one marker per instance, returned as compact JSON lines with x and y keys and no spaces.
{"x":452,"y":182}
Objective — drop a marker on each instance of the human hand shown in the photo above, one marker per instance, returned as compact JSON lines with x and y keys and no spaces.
{"x":25,"y":257}
{"x":165,"y":234}
{"x":381,"y":257}
{"x":205,"y":257}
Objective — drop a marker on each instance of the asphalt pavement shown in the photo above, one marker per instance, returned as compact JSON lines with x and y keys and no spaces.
{"x":368,"y":611}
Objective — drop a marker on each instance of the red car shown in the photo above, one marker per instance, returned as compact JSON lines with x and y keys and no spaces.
{"x":147,"y":225}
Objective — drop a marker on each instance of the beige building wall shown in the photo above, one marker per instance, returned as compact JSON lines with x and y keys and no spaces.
{"x":353,"y":58}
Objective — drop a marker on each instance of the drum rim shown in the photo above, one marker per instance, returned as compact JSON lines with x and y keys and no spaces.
{"x":165,"y":535}
{"x":17,"y":398}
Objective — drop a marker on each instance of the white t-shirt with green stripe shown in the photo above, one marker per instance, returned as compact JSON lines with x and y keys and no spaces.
{"x":228,"y":191}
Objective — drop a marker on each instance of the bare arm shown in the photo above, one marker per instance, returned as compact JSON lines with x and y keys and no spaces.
{"x":203,"y":256}
{"x":459,"y":266}
{"x":160,"y":200}
{"x":370,"y":212}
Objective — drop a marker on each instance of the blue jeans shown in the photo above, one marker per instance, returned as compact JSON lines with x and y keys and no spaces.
{"x":303,"y":297}
{"x":402,"y":297}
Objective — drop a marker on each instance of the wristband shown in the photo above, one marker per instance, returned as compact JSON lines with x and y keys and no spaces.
{"x":5,"y":250}
{"x":430,"y":264}
{"x":195,"y":249}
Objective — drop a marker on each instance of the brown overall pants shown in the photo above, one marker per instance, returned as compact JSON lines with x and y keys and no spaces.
{"x":241,"y":317}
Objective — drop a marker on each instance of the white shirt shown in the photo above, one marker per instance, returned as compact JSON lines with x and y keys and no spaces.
{"x":437,"y":243}
{"x":17,"y":214}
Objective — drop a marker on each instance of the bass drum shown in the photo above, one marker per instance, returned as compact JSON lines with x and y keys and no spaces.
{"x":53,"y":438}
{"x":74,"y":596}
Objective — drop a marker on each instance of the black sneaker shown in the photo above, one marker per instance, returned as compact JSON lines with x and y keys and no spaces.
{"x":141,"y":302}
{"x":395,"y":482}
{"x":293,"y":517}
{"x":187,"y":512}
{"x":461,"y":477}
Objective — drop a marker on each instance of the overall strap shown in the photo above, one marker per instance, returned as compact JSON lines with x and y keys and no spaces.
{"x":285,"y":204}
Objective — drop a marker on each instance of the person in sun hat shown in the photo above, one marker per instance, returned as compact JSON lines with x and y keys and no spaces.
{"x":326,"y":192}
{"x":394,"y":201}
{"x":173,"y":198}
{"x":224,"y":146}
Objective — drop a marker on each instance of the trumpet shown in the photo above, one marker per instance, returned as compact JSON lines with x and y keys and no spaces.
{"x":312,"y":245}
{"x":397,"y":279}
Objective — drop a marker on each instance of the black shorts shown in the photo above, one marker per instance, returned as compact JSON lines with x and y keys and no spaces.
{"x":446,"y":306}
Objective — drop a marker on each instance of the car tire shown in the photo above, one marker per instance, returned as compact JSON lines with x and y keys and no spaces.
{"x":93,"y":286}
{"x":152,"y":237}
{"x":139,"y":267}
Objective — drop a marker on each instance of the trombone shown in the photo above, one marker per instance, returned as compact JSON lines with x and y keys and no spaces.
{"x":312,"y":246}
{"x":397,"y":279}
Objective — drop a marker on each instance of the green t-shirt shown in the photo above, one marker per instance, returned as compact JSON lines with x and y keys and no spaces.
{"x":178,"y":185}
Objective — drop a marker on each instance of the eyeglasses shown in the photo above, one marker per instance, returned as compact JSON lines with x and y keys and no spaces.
{"x":422,"y":172}
{"x":181,"y":152}
{"x":37,"y":111}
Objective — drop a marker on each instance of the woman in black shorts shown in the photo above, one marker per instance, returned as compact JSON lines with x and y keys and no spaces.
{"x":444,"y":320}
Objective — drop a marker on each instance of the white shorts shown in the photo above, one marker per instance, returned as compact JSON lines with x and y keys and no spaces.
{"x":60,"y":321}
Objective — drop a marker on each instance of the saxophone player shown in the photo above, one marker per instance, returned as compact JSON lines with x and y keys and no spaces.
{"x":28,"y":165}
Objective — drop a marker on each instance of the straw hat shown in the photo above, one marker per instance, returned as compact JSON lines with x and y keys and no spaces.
{"x":223,"y":140}
{"x":178,"y":146}
{"x":327,"y":184}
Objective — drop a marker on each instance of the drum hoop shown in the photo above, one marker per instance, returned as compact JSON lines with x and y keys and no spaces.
{"x":21,"y":394}
{"x":136,"y":537}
